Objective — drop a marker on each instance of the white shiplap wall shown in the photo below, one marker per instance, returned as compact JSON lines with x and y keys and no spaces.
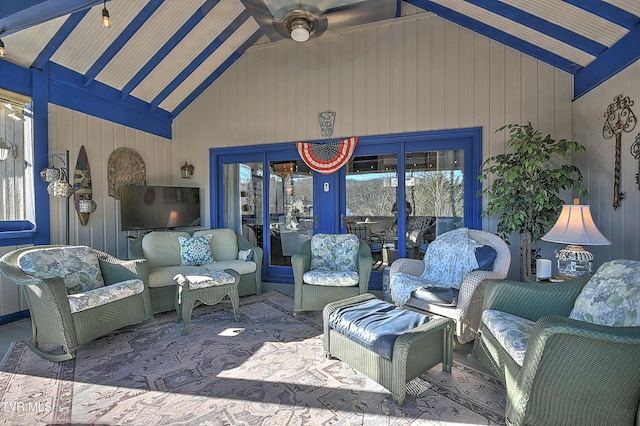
{"x":409,"y":74}
{"x":620,"y":226}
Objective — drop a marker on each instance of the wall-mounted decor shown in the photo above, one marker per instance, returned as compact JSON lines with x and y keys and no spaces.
{"x":82,"y":190}
{"x":326,"y":120}
{"x":326,"y":158}
{"x":635,"y":151}
{"x":618,"y":119}
{"x":125,"y":167}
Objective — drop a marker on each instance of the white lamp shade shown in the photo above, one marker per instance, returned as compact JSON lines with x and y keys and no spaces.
{"x":575,"y":226}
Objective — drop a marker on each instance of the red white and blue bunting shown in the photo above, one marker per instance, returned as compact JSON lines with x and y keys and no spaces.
{"x":327,"y":158}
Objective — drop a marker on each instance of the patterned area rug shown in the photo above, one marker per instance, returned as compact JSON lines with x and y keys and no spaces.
{"x":267,"y":369}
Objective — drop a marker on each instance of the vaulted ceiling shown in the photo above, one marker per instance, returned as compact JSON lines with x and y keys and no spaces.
{"x":159,"y":55}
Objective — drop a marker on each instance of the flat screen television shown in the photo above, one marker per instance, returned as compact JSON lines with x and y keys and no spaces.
{"x":159,"y":207}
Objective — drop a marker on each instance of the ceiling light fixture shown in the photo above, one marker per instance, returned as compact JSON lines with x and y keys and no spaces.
{"x":300,"y":29}
{"x":106,"y":20}
{"x":3,"y":51}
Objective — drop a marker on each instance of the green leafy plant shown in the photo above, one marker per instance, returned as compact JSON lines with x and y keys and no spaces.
{"x":527,"y":180}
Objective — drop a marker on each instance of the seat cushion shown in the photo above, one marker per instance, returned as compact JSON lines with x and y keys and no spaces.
{"x":511,"y":331}
{"x":208,"y":279}
{"x":612,"y":296}
{"x":78,"y":266}
{"x":375,"y":324}
{"x":336,"y":252}
{"x":331,"y":278}
{"x":161,"y":248}
{"x":437,"y":296}
{"x":107,"y":294}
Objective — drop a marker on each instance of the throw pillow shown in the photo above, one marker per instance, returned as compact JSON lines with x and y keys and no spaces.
{"x":195,"y":250}
{"x":486,"y":256}
{"x":245,"y":255}
{"x":612,"y":296}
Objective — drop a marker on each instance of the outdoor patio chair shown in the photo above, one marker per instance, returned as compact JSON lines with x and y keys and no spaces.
{"x":328,"y":268}
{"x":76,"y":294}
{"x":463,"y":305}
{"x":568,"y":353}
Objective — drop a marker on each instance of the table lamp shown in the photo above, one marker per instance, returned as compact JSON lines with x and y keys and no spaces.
{"x":575,"y":227}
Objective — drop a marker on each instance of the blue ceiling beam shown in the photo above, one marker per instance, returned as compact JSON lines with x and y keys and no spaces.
{"x":498,"y":35}
{"x":66,"y":88}
{"x":208,"y":51}
{"x":168,"y":47}
{"x":56,"y":41}
{"x":17,"y":15}
{"x":607,"y":11}
{"x":217,"y":73}
{"x":619,"y":56}
{"x":541,"y":25}
{"x":121,"y":40}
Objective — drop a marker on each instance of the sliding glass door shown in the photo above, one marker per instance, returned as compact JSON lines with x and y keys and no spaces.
{"x":397,"y":193}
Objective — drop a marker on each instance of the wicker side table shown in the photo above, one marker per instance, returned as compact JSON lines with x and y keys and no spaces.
{"x":208,"y":287}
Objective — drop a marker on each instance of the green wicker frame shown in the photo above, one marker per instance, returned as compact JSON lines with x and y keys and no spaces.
{"x":51,"y":318}
{"x":414,"y":352}
{"x":307,"y":297}
{"x":573,"y":372}
{"x":163,"y":298}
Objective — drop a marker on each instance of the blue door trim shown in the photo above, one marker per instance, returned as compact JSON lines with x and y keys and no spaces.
{"x":467,"y":139}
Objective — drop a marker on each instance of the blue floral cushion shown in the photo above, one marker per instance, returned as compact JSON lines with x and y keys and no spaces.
{"x":612,"y":296}
{"x":511,"y":331}
{"x":195,"y":250}
{"x":335,"y":252}
{"x":208,"y":279}
{"x":331,"y":278}
{"x":78,"y":266}
{"x":109,"y":293}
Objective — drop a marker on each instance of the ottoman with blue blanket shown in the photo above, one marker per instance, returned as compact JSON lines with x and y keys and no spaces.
{"x":390,"y":345}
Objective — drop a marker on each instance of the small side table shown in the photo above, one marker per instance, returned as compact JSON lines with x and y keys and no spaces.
{"x":208,"y":287}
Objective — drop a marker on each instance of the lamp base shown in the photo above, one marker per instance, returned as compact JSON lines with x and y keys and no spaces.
{"x":574,"y":261}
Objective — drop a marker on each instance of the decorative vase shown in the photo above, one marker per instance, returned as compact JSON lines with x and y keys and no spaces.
{"x":87,"y":206}
{"x":60,"y":188}
{"x":50,"y":174}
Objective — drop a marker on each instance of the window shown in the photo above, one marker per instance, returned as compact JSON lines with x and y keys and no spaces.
{"x":17,"y":211}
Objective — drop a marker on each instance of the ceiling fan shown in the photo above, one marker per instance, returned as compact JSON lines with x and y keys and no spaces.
{"x":287,"y":19}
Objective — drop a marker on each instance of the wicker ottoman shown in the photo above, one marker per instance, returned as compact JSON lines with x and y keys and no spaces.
{"x":414,"y":352}
{"x":208,"y":287}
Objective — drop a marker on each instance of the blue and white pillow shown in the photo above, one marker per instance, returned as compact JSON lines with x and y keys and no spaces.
{"x":195,"y":250}
{"x":245,"y":255}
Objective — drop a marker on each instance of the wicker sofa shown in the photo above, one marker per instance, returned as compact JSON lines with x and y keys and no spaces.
{"x":76,"y":294}
{"x":162,"y":251}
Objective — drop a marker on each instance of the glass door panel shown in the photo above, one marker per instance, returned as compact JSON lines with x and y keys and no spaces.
{"x":243,"y":208}
{"x":291,"y":219}
{"x":434,"y":194}
{"x":370,"y":194}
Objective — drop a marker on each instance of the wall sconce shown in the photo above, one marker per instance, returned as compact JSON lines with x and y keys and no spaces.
{"x":186,"y":171}
{"x":106,"y":20}
{"x":7,"y":148}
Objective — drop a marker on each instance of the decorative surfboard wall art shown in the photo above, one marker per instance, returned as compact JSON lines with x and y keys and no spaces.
{"x":82,"y":191}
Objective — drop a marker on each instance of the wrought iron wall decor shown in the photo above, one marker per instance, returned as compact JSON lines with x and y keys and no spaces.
{"x":635,"y":151}
{"x":618,"y":119}
{"x":326,"y":120}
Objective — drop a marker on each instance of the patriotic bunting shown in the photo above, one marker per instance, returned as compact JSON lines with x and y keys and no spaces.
{"x":326,"y":158}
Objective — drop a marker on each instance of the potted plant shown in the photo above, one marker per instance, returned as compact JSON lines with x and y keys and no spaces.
{"x":526,"y":183}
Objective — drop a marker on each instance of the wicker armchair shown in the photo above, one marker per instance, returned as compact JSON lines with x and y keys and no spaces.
{"x":316,"y":284}
{"x":558,"y":369}
{"x":466,"y":313}
{"x":64,"y":316}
